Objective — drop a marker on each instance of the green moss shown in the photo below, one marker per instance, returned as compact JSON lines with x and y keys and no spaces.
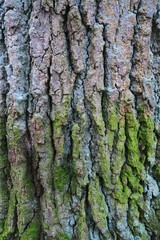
{"x":133,"y":212}
{"x":121,"y":137}
{"x":76,"y":141}
{"x":78,"y":159}
{"x":112,"y":125}
{"x":153,"y":224}
{"x":156,"y":203}
{"x":132,"y":145}
{"x":99,"y":124}
{"x":3,"y":158}
{"x":98,"y":207}
{"x":60,"y":117}
{"x":156,"y":170}
{"x":62,"y":236}
{"x":121,"y":193}
{"x":32,"y":231}
{"x":82,"y":229}
{"x":119,"y":152}
{"x":132,"y":179}
{"x":101,"y":157}
{"x":74,"y":185}
{"x":146,"y":134}
{"x":14,"y":134}
{"x":2,"y":127}
{"x":61,"y":178}
{"x":110,"y":139}
{"x":133,"y":171}
{"x":25,"y":206}
{"x":24,"y":194}
{"x":3,"y":174}
{"x":57,"y":125}
{"x":9,"y":226}
{"x":3,"y":143}
{"x":112,"y":119}
{"x":132,"y":126}
{"x":104,"y":162}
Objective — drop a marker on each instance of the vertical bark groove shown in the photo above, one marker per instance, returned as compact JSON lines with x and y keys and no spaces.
{"x":79,"y":119}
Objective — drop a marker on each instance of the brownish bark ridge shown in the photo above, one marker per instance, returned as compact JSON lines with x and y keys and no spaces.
{"x":79,"y":119}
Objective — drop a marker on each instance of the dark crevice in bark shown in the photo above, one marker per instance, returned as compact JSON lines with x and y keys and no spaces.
{"x":86,"y":103}
{"x":68,"y":155}
{"x":133,"y":42}
{"x":155,"y":48}
{"x":38,"y":186}
{"x":30,"y":153}
{"x":72,"y":119}
{"x":119,"y":21}
{"x":80,"y":86}
{"x":138,"y":98}
{"x":32,"y":169}
{"x":90,"y":130}
{"x":93,"y":230}
{"x":105,"y":194}
{"x":50,"y":101}
{"x":89,"y":219}
{"x":128,"y":217}
{"x":88,"y":28}
{"x":104,"y":93}
{"x":88,"y":126}
{"x":54,"y":4}
{"x":113,"y":150}
{"x":5,"y":171}
{"x":16,"y":218}
{"x":28,"y":224}
{"x":68,"y":43}
{"x":97,"y":9}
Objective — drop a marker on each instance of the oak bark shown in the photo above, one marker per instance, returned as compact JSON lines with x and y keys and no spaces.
{"x":79,"y":119}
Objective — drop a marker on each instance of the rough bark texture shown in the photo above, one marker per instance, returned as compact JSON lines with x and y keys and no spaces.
{"x":79,"y":119}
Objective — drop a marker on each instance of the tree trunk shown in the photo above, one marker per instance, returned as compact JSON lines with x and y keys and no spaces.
{"x":79,"y":119}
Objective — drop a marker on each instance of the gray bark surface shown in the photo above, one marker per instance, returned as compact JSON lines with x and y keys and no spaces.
{"x":79,"y":119}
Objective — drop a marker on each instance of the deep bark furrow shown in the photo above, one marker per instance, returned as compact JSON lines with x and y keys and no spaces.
{"x":18,"y":142}
{"x":79,"y":119}
{"x":4,"y":165}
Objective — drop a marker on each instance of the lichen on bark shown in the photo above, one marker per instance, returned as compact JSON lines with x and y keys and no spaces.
{"x":79,"y":119}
